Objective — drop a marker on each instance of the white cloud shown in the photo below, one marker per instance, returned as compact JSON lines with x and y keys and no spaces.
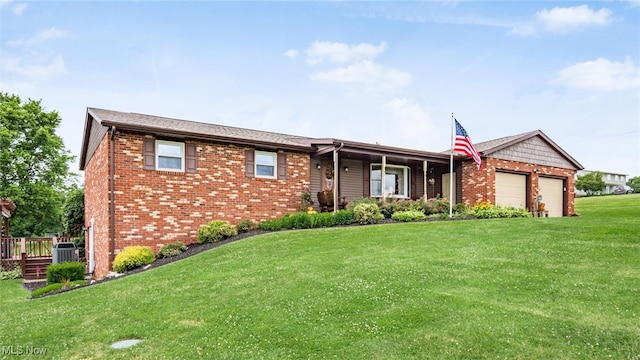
{"x":18,"y":9}
{"x":634,"y":3}
{"x":291,"y":53}
{"x":411,"y":124}
{"x":365,"y":72}
{"x":40,"y":73}
{"x":341,"y":53}
{"x":44,"y":35}
{"x":562,"y":20}
{"x":600,"y":75}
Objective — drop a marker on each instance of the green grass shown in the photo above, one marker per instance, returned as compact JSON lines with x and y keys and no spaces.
{"x":536,"y":288}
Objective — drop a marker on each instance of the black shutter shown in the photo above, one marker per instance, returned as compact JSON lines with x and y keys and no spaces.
{"x":191,"y":165}
{"x":149,"y":154}
{"x":366,"y":185}
{"x":282,"y":166}
{"x":249,"y":163}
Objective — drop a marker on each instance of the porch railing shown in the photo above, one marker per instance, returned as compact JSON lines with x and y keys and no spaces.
{"x":16,"y":251}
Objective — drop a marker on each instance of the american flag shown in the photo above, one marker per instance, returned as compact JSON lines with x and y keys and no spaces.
{"x":464,"y":145}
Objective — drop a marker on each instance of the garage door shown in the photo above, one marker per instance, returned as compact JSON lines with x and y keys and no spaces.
{"x":552,"y":191}
{"x":511,"y":190}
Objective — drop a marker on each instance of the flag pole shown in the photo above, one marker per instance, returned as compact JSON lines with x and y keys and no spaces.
{"x":451,"y":171}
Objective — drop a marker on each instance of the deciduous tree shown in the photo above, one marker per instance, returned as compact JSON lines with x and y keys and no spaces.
{"x":590,"y":183}
{"x":34,"y":166}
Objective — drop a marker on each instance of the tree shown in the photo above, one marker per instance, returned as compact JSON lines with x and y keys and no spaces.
{"x":634,"y":182}
{"x":590,"y":183}
{"x":34,"y":166}
{"x":73,"y":213}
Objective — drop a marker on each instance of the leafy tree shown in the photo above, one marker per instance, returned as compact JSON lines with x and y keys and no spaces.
{"x":73,"y":213}
{"x":35,"y":166}
{"x":634,"y":182}
{"x":590,"y":183}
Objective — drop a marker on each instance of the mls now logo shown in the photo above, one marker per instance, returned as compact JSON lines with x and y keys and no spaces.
{"x":23,"y":350}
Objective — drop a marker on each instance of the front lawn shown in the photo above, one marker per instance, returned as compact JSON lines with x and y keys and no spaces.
{"x":524,"y":288}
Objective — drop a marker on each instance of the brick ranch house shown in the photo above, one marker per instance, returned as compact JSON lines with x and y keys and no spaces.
{"x":152,"y":180}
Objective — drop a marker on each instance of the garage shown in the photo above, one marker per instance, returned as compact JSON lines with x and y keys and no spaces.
{"x":511,"y":190}
{"x":552,"y":191}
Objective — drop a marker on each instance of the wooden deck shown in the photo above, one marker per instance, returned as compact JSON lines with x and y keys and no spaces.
{"x":32,"y":255}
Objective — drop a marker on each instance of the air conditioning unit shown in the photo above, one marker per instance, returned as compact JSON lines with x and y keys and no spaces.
{"x":64,"y":252}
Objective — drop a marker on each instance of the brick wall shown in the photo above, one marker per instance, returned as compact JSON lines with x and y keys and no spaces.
{"x":154,"y":208}
{"x":478,"y":186}
{"x":96,"y":200}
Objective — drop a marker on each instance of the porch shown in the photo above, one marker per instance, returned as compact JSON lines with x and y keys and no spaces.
{"x":351,"y":171}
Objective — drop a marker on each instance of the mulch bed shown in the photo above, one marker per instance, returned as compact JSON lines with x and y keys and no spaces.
{"x":193,"y":249}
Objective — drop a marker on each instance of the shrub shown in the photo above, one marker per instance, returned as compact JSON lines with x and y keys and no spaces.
{"x":132,"y":257}
{"x":488,"y":211}
{"x":367,"y":213}
{"x":410,"y":215}
{"x":9,"y":274}
{"x":70,"y":271}
{"x":270,"y":225}
{"x":172,"y":249}
{"x":434,"y":206}
{"x":55,"y":286}
{"x":216,"y":230}
{"x":343,"y":217}
{"x":300,"y":220}
{"x":326,"y":219}
{"x":245,"y":226}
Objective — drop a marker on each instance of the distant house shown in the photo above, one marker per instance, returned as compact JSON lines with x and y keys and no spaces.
{"x":152,"y":180}
{"x":611,"y":181}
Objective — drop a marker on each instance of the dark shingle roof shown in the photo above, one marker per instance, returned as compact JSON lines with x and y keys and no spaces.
{"x":187,"y":128}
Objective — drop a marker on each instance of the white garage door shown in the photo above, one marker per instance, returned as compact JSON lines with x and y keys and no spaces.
{"x":511,"y":190}
{"x":552,"y":191}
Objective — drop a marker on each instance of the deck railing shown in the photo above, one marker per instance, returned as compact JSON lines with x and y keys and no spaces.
{"x":16,"y":251}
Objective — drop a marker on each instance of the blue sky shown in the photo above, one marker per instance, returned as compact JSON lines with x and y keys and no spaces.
{"x":386,"y":72}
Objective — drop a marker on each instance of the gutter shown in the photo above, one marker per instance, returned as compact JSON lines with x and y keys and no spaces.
{"x":112,"y":204}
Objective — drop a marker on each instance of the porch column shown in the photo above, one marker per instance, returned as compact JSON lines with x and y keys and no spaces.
{"x":424,"y":178}
{"x":383,"y":172}
{"x":336,"y":180}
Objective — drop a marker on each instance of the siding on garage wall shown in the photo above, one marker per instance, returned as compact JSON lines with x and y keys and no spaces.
{"x":533,"y":151}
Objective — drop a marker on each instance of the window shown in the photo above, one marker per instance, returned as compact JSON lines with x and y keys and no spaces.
{"x":170,"y":155}
{"x":266,"y":164}
{"x":396,"y":181}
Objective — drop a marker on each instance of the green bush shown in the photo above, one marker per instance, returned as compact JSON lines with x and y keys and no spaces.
{"x":299,"y":220}
{"x":326,"y":219}
{"x":270,"y":225}
{"x":10,"y":274}
{"x":409,"y":215}
{"x":367,"y":213}
{"x":172,"y":249}
{"x":434,"y":206}
{"x":71,"y":271}
{"x":55,"y":286}
{"x":245,"y":226}
{"x":215,"y":231}
{"x":343,"y":217}
{"x":132,"y":257}
{"x":489,"y":211}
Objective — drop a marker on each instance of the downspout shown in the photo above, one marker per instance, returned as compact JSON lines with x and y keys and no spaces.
{"x":336,"y":171}
{"x":112,"y":204}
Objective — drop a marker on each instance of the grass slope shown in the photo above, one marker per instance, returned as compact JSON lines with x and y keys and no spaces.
{"x":562,"y":288}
